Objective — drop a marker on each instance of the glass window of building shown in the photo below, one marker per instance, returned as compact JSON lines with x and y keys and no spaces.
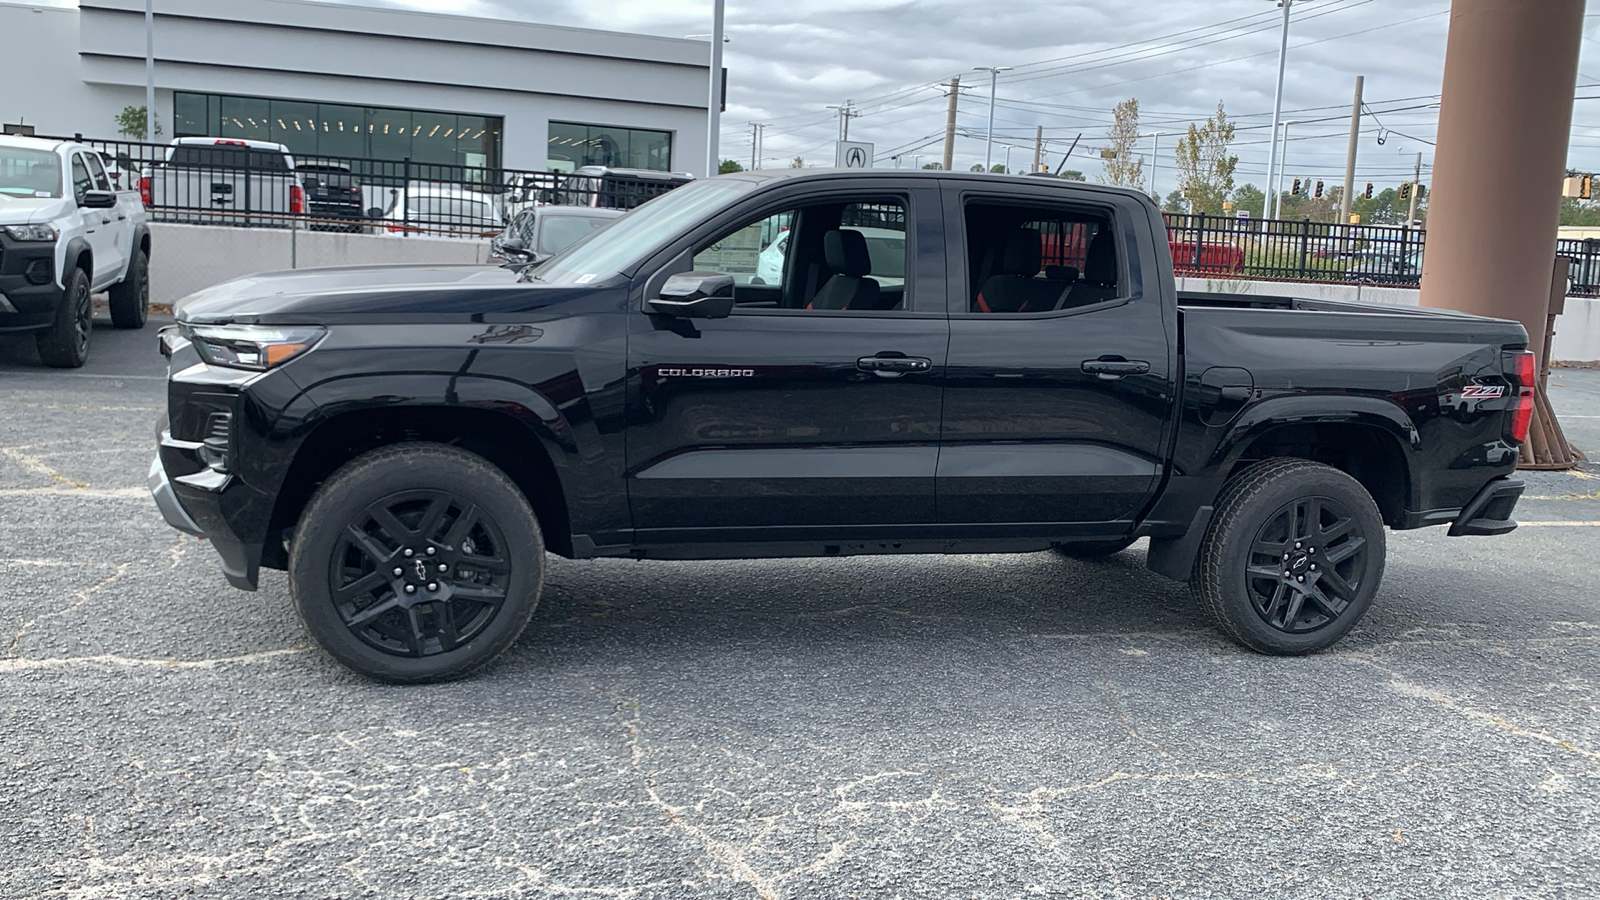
{"x":309,"y":129}
{"x":572,"y":145}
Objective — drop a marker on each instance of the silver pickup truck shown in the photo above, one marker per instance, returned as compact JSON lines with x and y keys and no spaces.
{"x":224,"y":181}
{"x":66,"y":232}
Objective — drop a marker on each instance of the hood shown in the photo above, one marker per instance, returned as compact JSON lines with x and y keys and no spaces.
{"x":312,"y":295}
{"x":16,"y":210}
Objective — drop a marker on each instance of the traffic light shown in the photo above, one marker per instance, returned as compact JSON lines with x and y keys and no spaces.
{"x":1295,"y":191}
{"x":1368,"y":193}
{"x":1319,"y":189}
{"x":1405,"y":191}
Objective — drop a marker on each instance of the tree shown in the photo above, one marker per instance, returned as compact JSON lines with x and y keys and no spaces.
{"x":1071,"y":175}
{"x":1175,"y":202}
{"x":1122,"y":168}
{"x":1205,"y":167}
{"x":1248,"y":198}
{"x":797,"y":163}
{"x":976,"y":167}
{"x":997,"y":168}
{"x":933,"y":165}
{"x":131,"y":122}
{"x":729,"y":165}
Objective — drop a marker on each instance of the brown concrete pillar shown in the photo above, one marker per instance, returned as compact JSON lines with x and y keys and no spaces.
{"x":1510,"y":69}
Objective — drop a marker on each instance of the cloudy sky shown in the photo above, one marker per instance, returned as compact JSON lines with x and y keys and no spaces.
{"x":789,"y":60}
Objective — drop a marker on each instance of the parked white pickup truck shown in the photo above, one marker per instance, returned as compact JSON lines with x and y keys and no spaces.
{"x":65,"y":234}
{"x":225,"y":181}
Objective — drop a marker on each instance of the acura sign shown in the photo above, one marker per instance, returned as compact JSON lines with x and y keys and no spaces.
{"x":852,"y":155}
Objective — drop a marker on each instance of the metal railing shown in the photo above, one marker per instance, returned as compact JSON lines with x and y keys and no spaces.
{"x":230,"y":185}
{"x":1223,"y":247}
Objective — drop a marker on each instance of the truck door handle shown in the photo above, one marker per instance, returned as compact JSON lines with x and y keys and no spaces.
{"x":1115,"y":366}
{"x":894,"y":365}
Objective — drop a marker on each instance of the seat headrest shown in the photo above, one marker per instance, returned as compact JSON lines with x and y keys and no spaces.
{"x":1067,"y":274}
{"x":1100,"y":263}
{"x":1021,"y":255}
{"x":846,"y":252}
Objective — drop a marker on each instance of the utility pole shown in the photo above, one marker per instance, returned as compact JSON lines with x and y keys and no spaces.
{"x":1416,"y":188}
{"x":1155,"y":167}
{"x":846,"y":113}
{"x":1038,"y":147}
{"x":714,"y":104}
{"x":1350,"y":155}
{"x":950,"y":124}
{"x":988,"y":137}
{"x":754,"y":129}
{"x":1277,"y":106}
{"x":149,"y":71}
{"x":761,"y":142}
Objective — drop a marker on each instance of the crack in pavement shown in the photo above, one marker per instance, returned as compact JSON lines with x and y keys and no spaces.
{"x":35,"y":465}
{"x":11,"y":664}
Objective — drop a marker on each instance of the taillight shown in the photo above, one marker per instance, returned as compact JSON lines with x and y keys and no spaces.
{"x":144,"y":190}
{"x":1522,"y":414}
{"x":297,"y":200}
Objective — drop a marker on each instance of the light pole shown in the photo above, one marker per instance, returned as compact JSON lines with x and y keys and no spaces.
{"x":1277,"y":104}
{"x":1155,"y":166}
{"x":994,"y":76}
{"x":1277,"y":194}
{"x":149,"y":71}
{"x":714,"y":105}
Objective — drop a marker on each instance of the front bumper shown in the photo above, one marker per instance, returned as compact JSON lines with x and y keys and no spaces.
{"x":200,"y":503}
{"x":167,"y":500}
{"x":29,"y":294}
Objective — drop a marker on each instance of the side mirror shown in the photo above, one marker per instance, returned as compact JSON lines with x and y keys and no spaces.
{"x":99,"y":200}
{"x":695,"y":295}
{"x":375,"y":212}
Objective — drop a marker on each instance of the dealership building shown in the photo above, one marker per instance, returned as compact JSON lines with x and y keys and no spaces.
{"x":356,"y":81}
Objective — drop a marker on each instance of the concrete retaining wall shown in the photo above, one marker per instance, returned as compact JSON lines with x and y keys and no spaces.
{"x":186,"y":258}
{"x":1577,"y":330}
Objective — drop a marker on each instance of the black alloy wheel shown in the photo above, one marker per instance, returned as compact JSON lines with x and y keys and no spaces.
{"x":1306,"y":565}
{"x":416,"y":562}
{"x":1292,"y":558}
{"x":420,"y":572}
{"x":66,"y":344}
{"x":130,"y":298}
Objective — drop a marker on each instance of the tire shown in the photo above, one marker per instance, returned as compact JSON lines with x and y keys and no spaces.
{"x":66,"y":344}
{"x":1094,"y":549}
{"x":414,"y":508}
{"x":1299,"y":517}
{"x":130,"y":297}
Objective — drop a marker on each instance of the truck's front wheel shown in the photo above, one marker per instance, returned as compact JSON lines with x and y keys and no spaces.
{"x":415,"y":563}
{"x":1293,"y":557}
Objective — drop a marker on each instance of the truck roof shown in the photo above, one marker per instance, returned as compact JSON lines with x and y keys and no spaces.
{"x":31,"y":143}
{"x":1038,"y":181}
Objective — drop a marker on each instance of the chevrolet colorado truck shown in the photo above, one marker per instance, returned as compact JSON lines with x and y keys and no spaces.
{"x":408,"y":442}
{"x":66,"y":232}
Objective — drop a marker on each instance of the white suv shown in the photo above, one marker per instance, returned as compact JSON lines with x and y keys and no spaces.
{"x":66,"y":233}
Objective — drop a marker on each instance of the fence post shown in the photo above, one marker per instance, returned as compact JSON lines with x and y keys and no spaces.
{"x":405,"y":207}
{"x":1305,"y":247}
{"x":1405,"y":251}
{"x":1199,"y":242}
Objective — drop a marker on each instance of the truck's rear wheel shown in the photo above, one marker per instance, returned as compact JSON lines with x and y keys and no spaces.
{"x":1293,"y":557}
{"x":416,"y":563}
{"x":66,"y":344}
{"x":130,"y":297}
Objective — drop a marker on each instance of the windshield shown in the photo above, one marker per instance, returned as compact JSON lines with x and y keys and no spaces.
{"x":29,"y":173}
{"x":561,"y":232}
{"x":641,"y":232}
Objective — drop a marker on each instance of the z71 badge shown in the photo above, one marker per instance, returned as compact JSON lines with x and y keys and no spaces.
{"x":1482,"y":391}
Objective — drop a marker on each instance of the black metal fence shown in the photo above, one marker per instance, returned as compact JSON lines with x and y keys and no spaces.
{"x":1223,"y":247}
{"x":226,"y":182}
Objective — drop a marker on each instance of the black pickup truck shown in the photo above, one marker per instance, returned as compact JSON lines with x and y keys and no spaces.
{"x":821,"y":363}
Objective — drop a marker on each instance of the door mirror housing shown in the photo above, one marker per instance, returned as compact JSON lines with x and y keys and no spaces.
{"x":99,"y":200}
{"x":375,"y":212}
{"x":695,"y":295}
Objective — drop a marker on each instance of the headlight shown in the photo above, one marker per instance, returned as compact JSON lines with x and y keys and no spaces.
{"x":32,"y":232}
{"x":252,"y":346}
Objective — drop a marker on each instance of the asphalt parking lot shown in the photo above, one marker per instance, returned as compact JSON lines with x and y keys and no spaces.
{"x":964,"y":726}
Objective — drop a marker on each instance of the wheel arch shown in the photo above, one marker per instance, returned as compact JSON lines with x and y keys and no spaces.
{"x":503,"y":438}
{"x":1367,"y":439}
{"x":77,"y":255}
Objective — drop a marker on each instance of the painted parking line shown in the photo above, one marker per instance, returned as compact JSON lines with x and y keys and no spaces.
{"x":1548,"y":524}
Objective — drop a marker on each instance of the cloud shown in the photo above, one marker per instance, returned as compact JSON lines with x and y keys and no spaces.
{"x":1072,"y":62}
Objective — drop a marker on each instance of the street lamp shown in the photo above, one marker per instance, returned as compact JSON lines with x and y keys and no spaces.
{"x":714,"y":105}
{"x":1277,"y":101}
{"x":1155,"y":166}
{"x":1277,"y":195}
{"x":994,"y":76}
